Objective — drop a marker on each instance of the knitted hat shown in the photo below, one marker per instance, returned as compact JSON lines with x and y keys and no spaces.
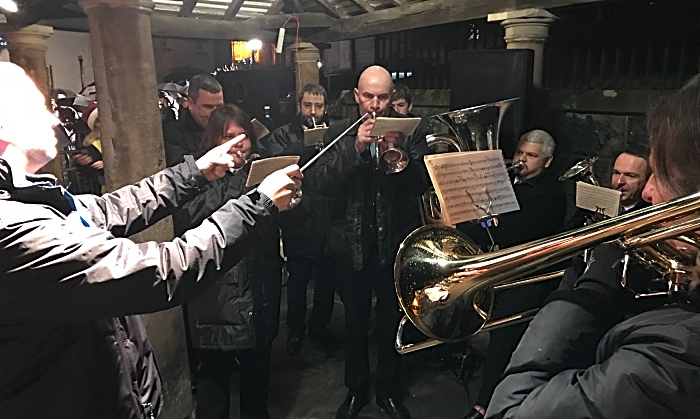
{"x":90,"y":115}
{"x":93,"y":118}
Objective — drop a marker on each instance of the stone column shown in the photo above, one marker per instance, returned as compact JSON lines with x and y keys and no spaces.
{"x":27,"y":48}
{"x":132,"y":147}
{"x":527,"y":29}
{"x":307,"y":64}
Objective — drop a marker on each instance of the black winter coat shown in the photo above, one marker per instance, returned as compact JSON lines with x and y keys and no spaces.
{"x":242,"y":309}
{"x":307,"y":239}
{"x":574,"y":361}
{"x":347,"y":177}
{"x":542,"y":213}
{"x":68,"y":345}
{"x":181,"y":138}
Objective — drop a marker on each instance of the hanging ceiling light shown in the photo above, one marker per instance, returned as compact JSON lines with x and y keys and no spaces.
{"x":8,"y":6}
{"x":252,"y":45}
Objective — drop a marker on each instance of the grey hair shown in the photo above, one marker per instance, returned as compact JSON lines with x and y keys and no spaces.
{"x":539,"y":136}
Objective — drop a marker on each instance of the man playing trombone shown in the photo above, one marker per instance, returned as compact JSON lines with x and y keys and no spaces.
{"x":579,"y":357}
{"x":371,"y":212}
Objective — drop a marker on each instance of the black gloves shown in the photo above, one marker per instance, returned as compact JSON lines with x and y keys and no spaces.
{"x":597,"y":285}
{"x":603,"y":272}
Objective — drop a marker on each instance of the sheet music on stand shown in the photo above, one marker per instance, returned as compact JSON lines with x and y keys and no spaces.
{"x":471,"y":185}
{"x":598,"y":199}
{"x":313,"y":135}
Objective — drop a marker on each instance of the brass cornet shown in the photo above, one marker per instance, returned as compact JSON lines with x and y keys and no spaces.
{"x":296,"y":197}
{"x":391,"y":160}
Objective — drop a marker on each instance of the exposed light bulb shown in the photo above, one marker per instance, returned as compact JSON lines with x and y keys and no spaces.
{"x":252,"y":45}
{"x":8,"y":5}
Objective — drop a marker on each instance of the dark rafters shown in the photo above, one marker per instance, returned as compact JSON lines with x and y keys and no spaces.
{"x":187,"y":8}
{"x":276,"y":7}
{"x":325,"y":4}
{"x":364,"y":5}
{"x":233,"y":9}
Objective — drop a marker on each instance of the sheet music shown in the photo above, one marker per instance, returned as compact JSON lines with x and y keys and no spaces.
{"x":260,"y":169}
{"x":406,"y":126}
{"x":465,"y":182}
{"x":260,"y":129}
{"x":313,"y":135}
{"x":598,"y":199}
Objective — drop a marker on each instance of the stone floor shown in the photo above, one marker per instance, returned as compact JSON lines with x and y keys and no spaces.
{"x":310,"y":384}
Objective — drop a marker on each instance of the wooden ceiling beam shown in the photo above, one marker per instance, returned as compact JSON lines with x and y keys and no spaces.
{"x":276,"y":7}
{"x":298,"y":7}
{"x":426,"y":13}
{"x":187,"y":8}
{"x":321,"y":28}
{"x":328,"y":7}
{"x":262,"y":27}
{"x":233,"y":9}
{"x":306,"y":21}
{"x":364,"y":5}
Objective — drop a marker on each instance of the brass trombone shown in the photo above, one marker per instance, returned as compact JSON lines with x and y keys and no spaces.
{"x":446,"y":286}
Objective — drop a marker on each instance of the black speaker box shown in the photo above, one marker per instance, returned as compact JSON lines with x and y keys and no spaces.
{"x":254,"y":90}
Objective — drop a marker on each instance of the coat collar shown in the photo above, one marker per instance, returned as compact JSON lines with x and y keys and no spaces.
{"x":42,"y":189}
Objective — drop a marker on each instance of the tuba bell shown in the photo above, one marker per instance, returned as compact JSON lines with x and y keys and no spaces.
{"x":471,"y":129}
{"x":446,"y":285}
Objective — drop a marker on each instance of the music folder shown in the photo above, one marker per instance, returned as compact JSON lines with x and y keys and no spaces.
{"x":260,"y":129}
{"x":405,"y":126}
{"x":313,"y":135}
{"x":260,"y":169}
{"x":598,"y":199}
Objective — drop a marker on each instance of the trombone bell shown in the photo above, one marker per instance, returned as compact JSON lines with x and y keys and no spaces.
{"x":425,"y":270}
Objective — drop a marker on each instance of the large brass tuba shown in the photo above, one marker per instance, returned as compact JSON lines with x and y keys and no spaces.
{"x":446,"y":286}
{"x":470,"y":129}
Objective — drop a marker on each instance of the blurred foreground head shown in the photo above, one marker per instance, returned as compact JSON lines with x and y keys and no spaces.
{"x":27,"y":138}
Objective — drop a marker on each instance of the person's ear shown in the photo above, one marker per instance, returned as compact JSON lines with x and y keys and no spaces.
{"x":548,"y":161}
{"x":357,"y":95}
{"x":410,"y":106}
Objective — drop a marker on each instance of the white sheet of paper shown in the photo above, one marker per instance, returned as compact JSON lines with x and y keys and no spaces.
{"x":260,"y":169}
{"x":482,"y":174}
{"x":406,"y":126}
{"x":598,"y":199}
{"x":313,"y":135}
{"x":260,"y":129}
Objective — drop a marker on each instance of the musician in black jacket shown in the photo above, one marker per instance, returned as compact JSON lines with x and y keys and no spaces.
{"x":303,"y":245}
{"x":371,"y":213}
{"x":233,"y":322}
{"x":578,"y":358}
{"x":631,"y":171}
{"x":542,"y":211}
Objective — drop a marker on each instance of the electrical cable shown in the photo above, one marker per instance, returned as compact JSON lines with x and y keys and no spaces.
{"x":296,"y":46}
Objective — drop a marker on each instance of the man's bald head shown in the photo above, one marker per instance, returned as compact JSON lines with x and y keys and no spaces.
{"x":373,"y":92}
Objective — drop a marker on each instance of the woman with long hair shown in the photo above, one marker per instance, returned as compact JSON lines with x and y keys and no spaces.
{"x":233,"y":323}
